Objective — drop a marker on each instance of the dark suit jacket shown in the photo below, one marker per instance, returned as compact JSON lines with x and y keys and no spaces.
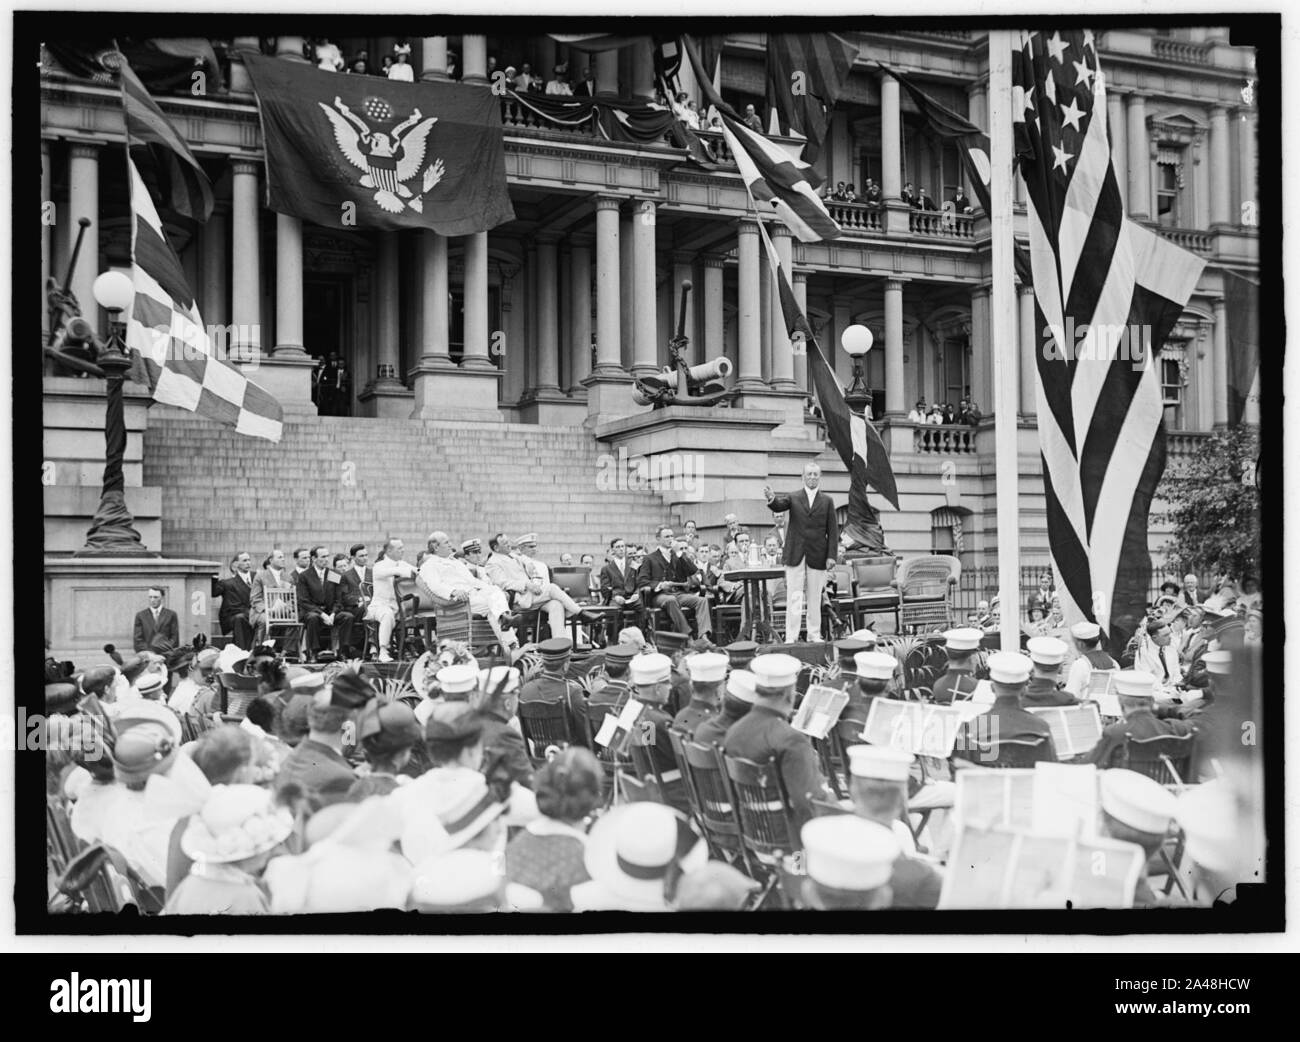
{"x":316,"y":595}
{"x":584,"y":89}
{"x":145,"y":630}
{"x":500,"y":739}
{"x":613,"y":583}
{"x":654,"y":570}
{"x":349,"y":596}
{"x":812,"y":534}
{"x":1141,"y":724}
{"x":236,"y":596}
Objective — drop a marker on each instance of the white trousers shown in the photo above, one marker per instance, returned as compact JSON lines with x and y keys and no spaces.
{"x":803,"y":588}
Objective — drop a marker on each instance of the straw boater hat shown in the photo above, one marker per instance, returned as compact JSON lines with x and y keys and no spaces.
{"x":236,"y":822}
{"x":631,"y":850}
{"x":462,"y":803}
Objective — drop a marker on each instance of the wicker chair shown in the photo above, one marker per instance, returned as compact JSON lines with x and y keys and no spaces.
{"x":924,"y":586}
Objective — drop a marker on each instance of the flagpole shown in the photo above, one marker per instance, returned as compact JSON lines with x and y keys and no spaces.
{"x":1003,"y":337}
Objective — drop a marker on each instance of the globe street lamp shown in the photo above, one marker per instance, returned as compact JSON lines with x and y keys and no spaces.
{"x":857,"y":341}
{"x":112,"y":532}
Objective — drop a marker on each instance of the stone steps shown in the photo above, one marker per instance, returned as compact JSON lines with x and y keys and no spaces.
{"x":339,"y":481}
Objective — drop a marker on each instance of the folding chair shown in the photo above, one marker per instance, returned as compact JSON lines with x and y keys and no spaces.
{"x":612,"y":763}
{"x":719,"y":820}
{"x":1165,"y":758}
{"x":575,"y":580}
{"x":767,"y":827}
{"x":282,"y":618}
{"x":544,"y":724}
{"x":824,"y":808}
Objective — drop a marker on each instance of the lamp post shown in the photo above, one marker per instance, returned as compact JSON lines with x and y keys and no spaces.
{"x":857,"y":341}
{"x":112,"y":532}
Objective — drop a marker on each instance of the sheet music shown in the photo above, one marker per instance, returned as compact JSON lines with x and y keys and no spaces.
{"x":913,"y":727}
{"x":819,"y":710}
{"x":631,"y":710}
{"x":607,"y":730}
{"x":1075,"y":729}
{"x":988,"y":799}
{"x":1017,"y":868}
{"x":1108,"y":706}
{"x":1065,"y":799}
{"x":1100,"y":682}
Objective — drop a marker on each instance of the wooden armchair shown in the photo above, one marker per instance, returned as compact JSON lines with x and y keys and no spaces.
{"x":874,"y":592}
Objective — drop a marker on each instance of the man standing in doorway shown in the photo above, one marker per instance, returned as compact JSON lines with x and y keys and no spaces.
{"x":812,"y":538}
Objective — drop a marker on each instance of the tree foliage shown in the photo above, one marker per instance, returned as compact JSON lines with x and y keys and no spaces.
{"x":1214,"y":505}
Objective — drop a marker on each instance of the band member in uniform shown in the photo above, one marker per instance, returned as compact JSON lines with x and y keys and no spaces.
{"x":1044,"y":688}
{"x":959,"y":681}
{"x":1087,"y":638}
{"x":1137,"y":700}
{"x":708,"y":672}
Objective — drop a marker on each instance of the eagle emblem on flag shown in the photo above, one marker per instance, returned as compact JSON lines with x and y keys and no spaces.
{"x":387,"y":159}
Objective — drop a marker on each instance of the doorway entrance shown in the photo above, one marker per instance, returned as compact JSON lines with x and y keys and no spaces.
{"x":327,"y":336}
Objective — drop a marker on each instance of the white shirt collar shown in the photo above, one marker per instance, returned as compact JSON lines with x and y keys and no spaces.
{"x":812,"y":494}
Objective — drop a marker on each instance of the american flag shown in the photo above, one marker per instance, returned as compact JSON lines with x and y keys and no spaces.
{"x":163,"y":324}
{"x":1099,"y":274}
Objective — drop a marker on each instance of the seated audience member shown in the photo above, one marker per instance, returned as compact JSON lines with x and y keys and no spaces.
{"x":1087,"y":639}
{"x":1136,"y":692}
{"x":450,"y":579}
{"x":1137,"y":809}
{"x":317,"y":762}
{"x":356,"y":586}
{"x":547,"y":856}
{"x":1008,"y":720}
{"x":636,"y":855}
{"x":878,"y":781}
{"x":651,"y":677}
{"x":496,"y":701}
{"x":848,"y":863}
{"x":552,"y":685}
{"x":236,"y":593}
{"x":959,"y":681}
{"x":155,"y":621}
{"x":274,"y":575}
{"x":763,"y":733}
{"x":1044,"y":688}
{"x":875,"y":674}
{"x":319,"y":608}
{"x":737,"y":700}
{"x":1157,"y":655}
{"x":386,"y":734}
{"x":130,"y":826}
{"x":229,"y":842}
{"x":708,"y":672}
{"x":614,"y":689}
{"x":382,"y":608}
{"x":664,"y":579}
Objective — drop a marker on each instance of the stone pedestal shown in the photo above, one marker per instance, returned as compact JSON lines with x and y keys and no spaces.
{"x":548,"y":407}
{"x":386,"y":400}
{"x":609,"y":397}
{"x":446,"y":391}
{"x":286,"y":377}
{"x":90,"y":602}
{"x":791,"y":404}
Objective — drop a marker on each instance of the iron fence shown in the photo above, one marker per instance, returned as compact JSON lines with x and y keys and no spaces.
{"x":980,"y":583}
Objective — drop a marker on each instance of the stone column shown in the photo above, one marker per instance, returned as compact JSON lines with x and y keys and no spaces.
{"x":474,"y":59}
{"x":83,"y":201}
{"x":891,"y":141}
{"x":1029,"y":341}
{"x":1139,"y":168}
{"x":1202,"y":175}
{"x":245,"y":248}
{"x":714,"y":314}
{"x":240,"y":83}
{"x":435,"y":359}
{"x":607,"y":73}
{"x":1220,"y":171}
{"x":579,"y":311}
{"x":801,"y":361}
{"x":1220,"y":358}
{"x":1117,"y":129}
{"x":608,"y":297}
{"x":434,"y":58}
{"x":288,"y":286}
{"x":387,"y":274}
{"x":643,"y":72}
{"x":547,"y":330}
{"x":216,"y":266}
{"x":749,"y":319}
{"x":609,"y":389}
{"x":894,"y":372}
{"x":684,"y":271}
{"x":627,"y":280}
{"x":645,"y":356}
{"x":783,"y":360}
{"x":476,"y":301}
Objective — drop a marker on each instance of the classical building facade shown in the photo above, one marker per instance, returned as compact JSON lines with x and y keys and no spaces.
{"x":546,"y":320}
